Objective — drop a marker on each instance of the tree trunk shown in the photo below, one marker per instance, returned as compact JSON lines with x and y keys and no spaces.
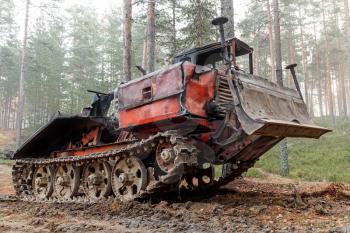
{"x":279,"y":75}
{"x":227,"y":10}
{"x":256,"y":55}
{"x":318,"y":75}
{"x":174,"y":35}
{"x":144,"y":55}
{"x":343,"y":88}
{"x":279,"y":71}
{"x":341,"y":84}
{"x":151,"y":28}
{"x":289,"y":82}
{"x":341,"y":91}
{"x":304,"y":61}
{"x":347,"y":20}
{"x":319,"y":85}
{"x":199,"y":32}
{"x":127,"y":39}
{"x":347,"y":87}
{"x":329,"y":89}
{"x":20,"y":107}
{"x":271,"y":41}
{"x":8,"y":113}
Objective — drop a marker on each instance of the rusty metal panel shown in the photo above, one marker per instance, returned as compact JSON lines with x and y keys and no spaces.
{"x":53,"y":135}
{"x":200,"y":91}
{"x":169,"y":97}
{"x":150,"y":113}
{"x":290,"y":129}
{"x":270,"y":110}
{"x":262,"y":99}
{"x":155,"y":86}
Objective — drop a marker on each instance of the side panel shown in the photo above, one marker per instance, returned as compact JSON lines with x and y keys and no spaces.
{"x":200,"y":91}
{"x":155,"y":86}
{"x":149,"y":113}
{"x":155,"y":97}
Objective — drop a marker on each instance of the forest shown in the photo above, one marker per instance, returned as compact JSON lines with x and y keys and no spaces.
{"x":71,"y":50}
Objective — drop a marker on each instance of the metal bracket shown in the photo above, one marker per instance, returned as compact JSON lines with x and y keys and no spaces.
{"x":229,"y":123}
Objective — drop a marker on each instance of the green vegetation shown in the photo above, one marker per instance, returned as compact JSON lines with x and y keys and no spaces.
{"x":255,"y":173}
{"x":3,"y":160}
{"x":326,"y":159}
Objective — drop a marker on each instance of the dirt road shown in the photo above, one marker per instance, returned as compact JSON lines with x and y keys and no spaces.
{"x":246,"y":205}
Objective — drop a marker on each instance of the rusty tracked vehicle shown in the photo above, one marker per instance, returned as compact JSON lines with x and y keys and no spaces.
{"x":198,"y":123}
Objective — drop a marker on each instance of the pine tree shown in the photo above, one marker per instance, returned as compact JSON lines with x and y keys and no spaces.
{"x":151,"y":24}
{"x":84,"y":57}
{"x":347,"y":26}
{"x":127,"y":24}
{"x":168,"y":23}
{"x":45,"y":71}
{"x":254,"y":31}
{"x":9,"y":68}
{"x":271,"y":41}
{"x":20,"y":107}
{"x":198,"y":15}
{"x":113,"y":47}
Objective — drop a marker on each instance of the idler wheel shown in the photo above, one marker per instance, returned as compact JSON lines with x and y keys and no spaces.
{"x":42,"y":182}
{"x":129,"y":178}
{"x":67,"y":180}
{"x":97,"y":180}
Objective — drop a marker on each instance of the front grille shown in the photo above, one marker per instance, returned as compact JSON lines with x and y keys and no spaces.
{"x":223,"y":95}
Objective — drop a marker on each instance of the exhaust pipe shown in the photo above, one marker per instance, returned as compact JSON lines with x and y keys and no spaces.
{"x":220,"y":21}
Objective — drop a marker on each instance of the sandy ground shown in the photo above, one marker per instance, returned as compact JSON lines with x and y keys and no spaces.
{"x":246,"y":205}
{"x":5,"y":180}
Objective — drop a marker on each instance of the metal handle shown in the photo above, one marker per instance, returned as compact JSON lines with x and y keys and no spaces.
{"x":296,"y":82}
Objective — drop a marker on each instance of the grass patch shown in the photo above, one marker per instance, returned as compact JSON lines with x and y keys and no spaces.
{"x":326,"y":159}
{"x":254,"y":173}
{"x":3,"y":160}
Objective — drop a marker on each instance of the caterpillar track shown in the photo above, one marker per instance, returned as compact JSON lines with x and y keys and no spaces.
{"x":32,"y":184}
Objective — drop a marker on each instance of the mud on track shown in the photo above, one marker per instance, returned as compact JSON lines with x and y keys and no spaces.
{"x":246,"y":205}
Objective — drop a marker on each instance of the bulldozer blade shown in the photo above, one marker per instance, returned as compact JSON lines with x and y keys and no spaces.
{"x":290,"y":129}
{"x":267,"y":109}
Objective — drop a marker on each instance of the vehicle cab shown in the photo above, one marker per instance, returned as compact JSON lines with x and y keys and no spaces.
{"x":211,"y":55}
